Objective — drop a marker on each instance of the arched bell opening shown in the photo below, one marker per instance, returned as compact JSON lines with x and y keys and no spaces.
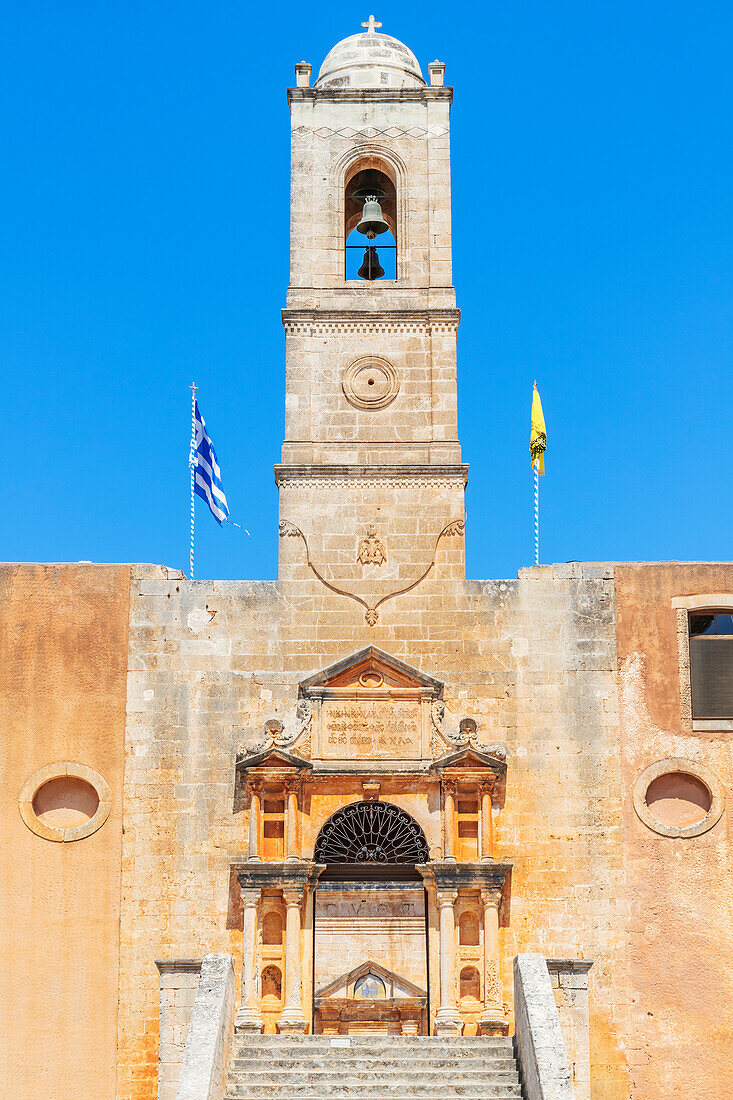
{"x":372,"y":841}
{"x":370,"y":221}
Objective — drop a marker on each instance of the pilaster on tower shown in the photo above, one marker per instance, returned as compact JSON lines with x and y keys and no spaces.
{"x":371,"y":437}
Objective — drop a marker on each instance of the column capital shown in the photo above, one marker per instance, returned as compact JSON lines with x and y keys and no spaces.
{"x":487,"y":784}
{"x":293,"y":896}
{"x":491,"y":897}
{"x":449,"y":784}
{"x":446,"y":898}
{"x":250,"y":896}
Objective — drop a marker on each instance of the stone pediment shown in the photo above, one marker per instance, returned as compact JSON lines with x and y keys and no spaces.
{"x":471,"y":760}
{"x":273,"y":759}
{"x":356,"y":985}
{"x":372,"y":710}
{"x":370,"y":669}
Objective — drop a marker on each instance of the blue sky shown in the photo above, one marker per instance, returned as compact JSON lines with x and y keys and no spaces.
{"x":144,"y":242}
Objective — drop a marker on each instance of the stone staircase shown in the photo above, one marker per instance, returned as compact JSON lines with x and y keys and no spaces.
{"x":375,"y":1066}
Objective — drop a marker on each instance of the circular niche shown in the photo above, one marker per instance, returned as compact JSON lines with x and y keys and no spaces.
{"x":370,"y":383}
{"x":678,"y":798}
{"x":65,"y":802}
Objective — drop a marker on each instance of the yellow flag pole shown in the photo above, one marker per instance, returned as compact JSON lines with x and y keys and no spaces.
{"x":537,"y":445}
{"x":536,"y":468}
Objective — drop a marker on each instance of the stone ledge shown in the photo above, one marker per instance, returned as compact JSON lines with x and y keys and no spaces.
{"x":304,"y":471}
{"x":371,"y":95}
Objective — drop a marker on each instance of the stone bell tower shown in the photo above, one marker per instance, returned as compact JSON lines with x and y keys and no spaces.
{"x":371,"y":482}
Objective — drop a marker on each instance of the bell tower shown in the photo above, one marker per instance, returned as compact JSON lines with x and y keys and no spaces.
{"x":371,"y":454}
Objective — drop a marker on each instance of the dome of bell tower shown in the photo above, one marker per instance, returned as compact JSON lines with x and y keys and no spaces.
{"x":370,"y":60}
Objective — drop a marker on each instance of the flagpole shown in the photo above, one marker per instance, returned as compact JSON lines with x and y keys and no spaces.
{"x":536,"y":467}
{"x":193,"y":387}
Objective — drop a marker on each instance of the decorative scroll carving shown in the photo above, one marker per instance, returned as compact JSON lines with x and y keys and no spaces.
{"x":466,"y":733}
{"x":277,"y":735}
{"x":288,"y":530}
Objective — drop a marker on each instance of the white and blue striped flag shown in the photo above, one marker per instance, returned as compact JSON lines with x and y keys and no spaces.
{"x":207,"y":475}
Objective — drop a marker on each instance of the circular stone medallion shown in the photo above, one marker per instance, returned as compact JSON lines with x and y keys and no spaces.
{"x":370,"y":383}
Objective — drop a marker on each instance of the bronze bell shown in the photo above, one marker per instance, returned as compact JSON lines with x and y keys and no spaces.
{"x":372,"y":223}
{"x":370,"y":266}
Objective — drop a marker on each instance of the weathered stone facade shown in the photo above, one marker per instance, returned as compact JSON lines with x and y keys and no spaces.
{"x":503,"y":724}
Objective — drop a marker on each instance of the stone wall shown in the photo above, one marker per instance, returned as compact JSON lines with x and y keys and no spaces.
{"x":680,"y":1032}
{"x":533,"y":660}
{"x":63,"y":640}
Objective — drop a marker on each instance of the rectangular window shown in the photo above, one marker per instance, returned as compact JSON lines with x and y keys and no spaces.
{"x":711,"y":664}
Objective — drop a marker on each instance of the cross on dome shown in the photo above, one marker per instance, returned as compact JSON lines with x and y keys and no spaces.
{"x":371,"y":25}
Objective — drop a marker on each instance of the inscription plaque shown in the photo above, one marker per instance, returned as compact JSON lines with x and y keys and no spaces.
{"x":371,"y":729}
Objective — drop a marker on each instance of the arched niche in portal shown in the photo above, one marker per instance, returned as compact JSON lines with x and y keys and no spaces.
{"x":470,"y":984}
{"x":272,"y":929}
{"x":468,"y":931}
{"x":272,"y":983}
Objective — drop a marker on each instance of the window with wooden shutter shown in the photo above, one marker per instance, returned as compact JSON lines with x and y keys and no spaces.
{"x":711,"y":664}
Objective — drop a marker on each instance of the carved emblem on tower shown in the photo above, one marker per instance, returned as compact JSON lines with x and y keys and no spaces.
{"x":371,"y":550}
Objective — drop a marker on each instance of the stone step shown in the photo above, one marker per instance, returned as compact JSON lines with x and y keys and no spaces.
{"x":358,"y":1060}
{"x":283,"y":1048}
{"x":373,"y":1040}
{"x":387,"y":1067}
{"x":485,"y":1092}
{"x":304,"y":1074}
{"x":346,"y":1085}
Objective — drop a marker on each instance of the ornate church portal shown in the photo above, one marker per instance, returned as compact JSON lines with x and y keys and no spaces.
{"x":369,"y":898}
{"x":370,"y":970}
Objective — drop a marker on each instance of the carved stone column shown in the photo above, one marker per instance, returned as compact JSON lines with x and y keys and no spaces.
{"x":254,"y":823}
{"x":292,"y":1020}
{"x":487,"y":830}
{"x":248,"y":1018}
{"x":447,"y":1020}
{"x":493,"y":1020}
{"x":449,"y":820}
{"x":291,"y":820}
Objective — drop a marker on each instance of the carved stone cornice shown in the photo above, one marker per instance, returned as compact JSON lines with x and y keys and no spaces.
{"x":398,"y":471}
{"x":445,"y":315}
{"x":445,"y":875}
{"x":293,"y":876}
{"x":371,"y":95}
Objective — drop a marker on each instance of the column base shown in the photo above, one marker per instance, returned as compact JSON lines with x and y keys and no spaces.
{"x":448,"y":1022}
{"x":248,"y":1022}
{"x":493,"y":1022}
{"x":292,"y":1022}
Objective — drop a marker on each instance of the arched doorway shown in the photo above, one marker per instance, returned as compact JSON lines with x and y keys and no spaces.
{"x":369,"y":923}
{"x":372,"y":841}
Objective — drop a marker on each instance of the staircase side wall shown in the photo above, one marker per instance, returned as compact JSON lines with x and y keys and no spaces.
{"x":209,"y":1042}
{"x":541,"y":1051}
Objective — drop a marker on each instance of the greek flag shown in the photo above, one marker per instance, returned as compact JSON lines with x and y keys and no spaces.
{"x":207,"y":475}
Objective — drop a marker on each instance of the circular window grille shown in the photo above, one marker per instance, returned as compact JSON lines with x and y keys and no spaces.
{"x":371,"y":832}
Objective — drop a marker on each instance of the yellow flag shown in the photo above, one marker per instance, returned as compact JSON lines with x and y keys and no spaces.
{"x":538,"y":434}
